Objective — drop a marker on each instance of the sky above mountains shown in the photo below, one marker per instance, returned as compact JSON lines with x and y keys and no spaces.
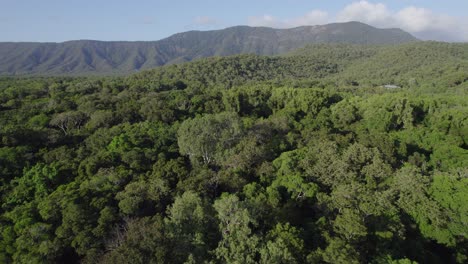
{"x":58,"y":20}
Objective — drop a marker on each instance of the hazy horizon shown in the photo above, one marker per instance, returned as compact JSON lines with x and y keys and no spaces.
{"x":56,"y":21}
{"x":201,"y":30}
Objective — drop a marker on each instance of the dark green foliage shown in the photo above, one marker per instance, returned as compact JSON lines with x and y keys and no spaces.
{"x":243,"y":159}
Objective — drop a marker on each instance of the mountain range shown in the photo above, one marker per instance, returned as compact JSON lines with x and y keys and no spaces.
{"x":82,"y":57}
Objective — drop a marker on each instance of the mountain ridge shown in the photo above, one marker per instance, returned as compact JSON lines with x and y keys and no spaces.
{"x":81,"y":57}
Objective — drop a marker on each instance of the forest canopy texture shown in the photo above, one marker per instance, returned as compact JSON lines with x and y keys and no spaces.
{"x":329,"y":154}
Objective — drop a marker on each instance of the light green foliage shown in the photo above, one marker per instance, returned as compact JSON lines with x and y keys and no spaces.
{"x":344,"y":114}
{"x":208,"y":136}
{"x":238,"y":244}
{"x":392,"y":112}
{"x":36,"y":183}
{"x":445,"y":157}
{"x":450,"y":190}
{"x":189,"y":222}
{"x":304,"y":158}
{"x":414,"y":199}
{"x":295,"y":182}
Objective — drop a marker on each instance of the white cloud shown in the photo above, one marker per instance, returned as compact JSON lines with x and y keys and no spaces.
{"x":363,"y":11}
{"x":426,"y":24}
{"x":421,"y":22}
{"x":416,"y":19}
{"x":314,"y":17}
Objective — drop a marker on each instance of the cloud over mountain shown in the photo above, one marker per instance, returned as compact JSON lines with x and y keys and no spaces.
{"x":422,"y":22}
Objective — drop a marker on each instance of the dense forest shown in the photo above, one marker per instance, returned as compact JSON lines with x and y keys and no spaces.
{"x":330,"y":154}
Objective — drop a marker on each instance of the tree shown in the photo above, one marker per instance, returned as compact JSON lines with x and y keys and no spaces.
{"x":344,"y":114}
{"x":139,"y":241}
{"x":414,"y":199}
{"x":36,"y":183}
{"x":291,"y":177}
{"x":207,"y":137}
{"x":238,"y":243}
{"x":140,"y":195}
{"x":191,"y":226}
{"x":68,"y":121}
{"x":283,"y":245}
{"x":450,"y":190}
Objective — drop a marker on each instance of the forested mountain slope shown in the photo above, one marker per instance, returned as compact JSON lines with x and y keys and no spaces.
{"x":303,"y":158}
{"x":432,"y":65}
{"x":116,"y":57}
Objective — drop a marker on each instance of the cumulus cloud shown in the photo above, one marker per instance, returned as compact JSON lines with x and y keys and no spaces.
{"x":376,"y":14}
{"x":428,"y":25}
{"x":314,"y":17}
{"x":421,"y":22}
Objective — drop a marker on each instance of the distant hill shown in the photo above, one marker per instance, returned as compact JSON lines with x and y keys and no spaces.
{"x":432,"y":65}
{"x":119,"y":57}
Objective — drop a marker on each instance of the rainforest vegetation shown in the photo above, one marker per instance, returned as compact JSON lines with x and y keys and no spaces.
{"x":330,"y":154}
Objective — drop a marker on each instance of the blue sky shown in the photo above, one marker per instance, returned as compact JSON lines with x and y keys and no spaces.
{"x":61,"y":20}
